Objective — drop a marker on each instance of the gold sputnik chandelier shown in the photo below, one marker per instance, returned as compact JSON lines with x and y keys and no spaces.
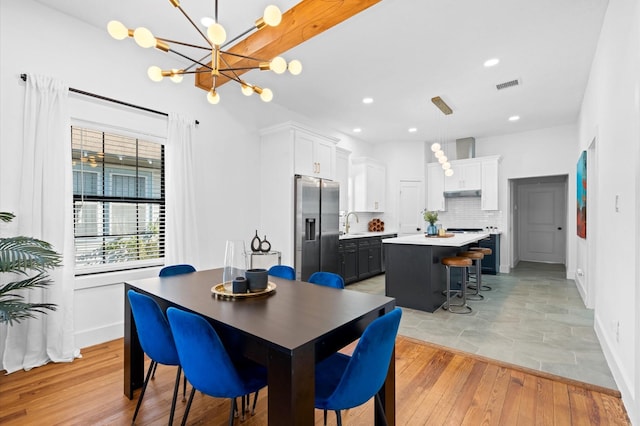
{"x":215,"y":61}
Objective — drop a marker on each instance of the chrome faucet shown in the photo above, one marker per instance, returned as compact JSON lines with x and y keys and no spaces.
{"x":346,"y":221}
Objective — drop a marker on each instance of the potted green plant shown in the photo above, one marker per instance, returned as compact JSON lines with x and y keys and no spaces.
{"x":22,"y":255}
{"x":432,"y":218}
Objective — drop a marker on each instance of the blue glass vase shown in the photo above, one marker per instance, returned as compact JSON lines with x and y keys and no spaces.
{"x":432,"y":230}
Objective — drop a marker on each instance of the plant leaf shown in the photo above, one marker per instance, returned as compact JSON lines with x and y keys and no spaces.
{"x":20,"y":254}
{"x":6,"y":216}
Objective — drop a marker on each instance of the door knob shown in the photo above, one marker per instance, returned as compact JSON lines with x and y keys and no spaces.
{"x":559,"y":228}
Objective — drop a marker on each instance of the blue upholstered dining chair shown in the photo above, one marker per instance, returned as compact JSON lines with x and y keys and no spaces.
{"x":344,"y":381}
{"x":170,"y":270}
{"x":283,"y":271}
{"x":207,"y":364}
{"x":156,"y":340}
{"x":328,"y":279}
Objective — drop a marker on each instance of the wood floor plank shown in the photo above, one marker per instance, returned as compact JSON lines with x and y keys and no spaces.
{"x":433,"y":386}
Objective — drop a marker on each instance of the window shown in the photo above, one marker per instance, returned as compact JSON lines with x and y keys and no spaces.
{"x":118,"y":201}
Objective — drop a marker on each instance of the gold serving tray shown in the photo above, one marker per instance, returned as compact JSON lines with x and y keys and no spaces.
{"x":440,"y":236}
{"x":223,"y":291}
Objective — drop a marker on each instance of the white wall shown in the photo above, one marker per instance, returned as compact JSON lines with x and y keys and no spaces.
{"x":611,"y":114}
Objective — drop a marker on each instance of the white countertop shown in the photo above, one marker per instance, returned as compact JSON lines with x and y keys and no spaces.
{"x":365,"y":235}
{"x":457,"y":240}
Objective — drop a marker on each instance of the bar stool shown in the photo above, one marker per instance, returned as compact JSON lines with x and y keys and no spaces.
{"x":457,"y":262}
{"x":476,"y":257}
{"x":486,"y":251}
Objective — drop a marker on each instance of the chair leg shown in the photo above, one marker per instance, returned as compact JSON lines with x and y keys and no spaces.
{"x":153,"y":375}
{"x":255,"y":400}
{"x":144,"y":388}
{"x":380,"y":410}
{"x":338,"y":418}
{"x":325,"y":418}
{"x":186,"y":410}
{"x":175,"y":395}
{"x":184,"y":390}
{"x":233,"y":410}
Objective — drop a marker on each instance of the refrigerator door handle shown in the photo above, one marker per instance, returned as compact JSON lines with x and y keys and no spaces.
{"x":310,"y":229}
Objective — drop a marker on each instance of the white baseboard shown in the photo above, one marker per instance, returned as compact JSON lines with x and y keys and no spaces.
{"x":626,"y":388}
{"x":99,"y":335}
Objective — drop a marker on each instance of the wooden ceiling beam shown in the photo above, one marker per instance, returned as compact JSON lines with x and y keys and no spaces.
{"x":299,"y":24}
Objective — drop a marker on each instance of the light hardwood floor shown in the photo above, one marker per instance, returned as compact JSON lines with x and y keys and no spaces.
{"x":434,"y":385}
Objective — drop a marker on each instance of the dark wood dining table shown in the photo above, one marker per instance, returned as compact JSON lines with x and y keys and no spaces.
{"x":288,"y":331}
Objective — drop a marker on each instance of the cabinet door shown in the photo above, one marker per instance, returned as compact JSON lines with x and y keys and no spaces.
{"x":375,"y":256}
{"x":324,"y":159}
{"x":303,"y":148}
{"x":363,"y":259}
{"x":435,"y":187}
{"x":467,"y":175}
{"x":350,"y":272}
{"x":342,"y":176}
{"x":376,"y":187}
{"x":473,"y":175}
{"x":489,"y":199}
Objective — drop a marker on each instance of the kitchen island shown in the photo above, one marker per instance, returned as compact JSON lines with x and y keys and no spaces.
{"x":414,"y":275}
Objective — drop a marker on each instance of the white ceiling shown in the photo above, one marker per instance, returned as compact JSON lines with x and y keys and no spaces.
{"x":404,"y":52}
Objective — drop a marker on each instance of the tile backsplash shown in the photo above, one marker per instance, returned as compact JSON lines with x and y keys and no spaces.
{"x":466,"y":213}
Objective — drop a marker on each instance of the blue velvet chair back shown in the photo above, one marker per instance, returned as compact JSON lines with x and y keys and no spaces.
{"x":283,"y":271}
{"x":170,"y":270}
{"x":154,"y":332}
{"x":204,"y":358}
{"x":367,"y":367}
{"x":328,"y":279}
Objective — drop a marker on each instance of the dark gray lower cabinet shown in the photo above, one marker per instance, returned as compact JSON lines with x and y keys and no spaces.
{"x":348,"y":254}
{"x":361,"y":258}
{"x":491,"y":263}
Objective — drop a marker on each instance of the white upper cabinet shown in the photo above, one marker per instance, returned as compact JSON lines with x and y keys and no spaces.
{"x":369,"y":185}
{"x":467,"y":176}
{"x":314,"y":155}
{"x":342,"y":176}
{"x":435,"y":187}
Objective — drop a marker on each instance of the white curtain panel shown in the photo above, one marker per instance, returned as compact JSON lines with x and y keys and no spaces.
{"x":181,"y":227}
{"x":45,"y":212}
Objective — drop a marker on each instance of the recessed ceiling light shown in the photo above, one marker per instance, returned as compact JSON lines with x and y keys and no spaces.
{"x":412,"y":130}
{"x":367,"y":100}
{"x":357,"y":130}
{"x":491,"y":62}
{"x":514,"y":118}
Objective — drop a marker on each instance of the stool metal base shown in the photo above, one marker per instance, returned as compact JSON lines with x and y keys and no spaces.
{"x":462,"y":308}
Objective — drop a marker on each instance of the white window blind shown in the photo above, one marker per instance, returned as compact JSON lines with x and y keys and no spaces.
{"x":118,"y":201}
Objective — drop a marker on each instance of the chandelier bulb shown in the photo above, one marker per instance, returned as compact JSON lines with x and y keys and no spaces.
{"x":442,"y":159}
{"x":176,"y":76}
{"x":217,"y":34}
{"x":154,"y":73}
{"x":435,"y":147}
{"x":272,"y":16}
{"x":448,"y":172}
{"x":213,"y":97}
{"x":117,"y":30}
{"x":247,"y":90}
{"x":295,"y":67}
{"x":446,"y":166}
{"x":278,"y":65}
{"x":439,"y":153}
{"x":266,"y":95}
{"x":144,"y":38}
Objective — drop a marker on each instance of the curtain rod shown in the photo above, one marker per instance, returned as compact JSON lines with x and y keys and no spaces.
{"x":104,"y":98}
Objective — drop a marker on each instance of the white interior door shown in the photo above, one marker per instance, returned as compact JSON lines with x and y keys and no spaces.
{"x":542,"y":222}
{"x":410,"y":218}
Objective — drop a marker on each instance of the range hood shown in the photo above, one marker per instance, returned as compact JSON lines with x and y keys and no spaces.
{"x":460,"y":194}
{"x":465,"y":148}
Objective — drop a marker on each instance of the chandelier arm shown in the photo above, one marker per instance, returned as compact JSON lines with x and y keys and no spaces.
{"x":182,"y":43}
{"x":191,"y":59}
{"x":239,"y":69}
{"x":194,"y":25}
{"x":238,"y":36}
{"x":199,"y":62}
{"x":237,"y":55}
{"x":237,"y":77}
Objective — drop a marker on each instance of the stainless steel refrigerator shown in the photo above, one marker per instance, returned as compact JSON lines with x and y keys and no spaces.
{"x":316,"y":226}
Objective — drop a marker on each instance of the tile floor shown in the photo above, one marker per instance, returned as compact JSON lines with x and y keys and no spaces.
{"x":532,"y":317}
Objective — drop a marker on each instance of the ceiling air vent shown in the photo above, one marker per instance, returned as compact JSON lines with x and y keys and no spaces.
{"x":508,"y":84}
